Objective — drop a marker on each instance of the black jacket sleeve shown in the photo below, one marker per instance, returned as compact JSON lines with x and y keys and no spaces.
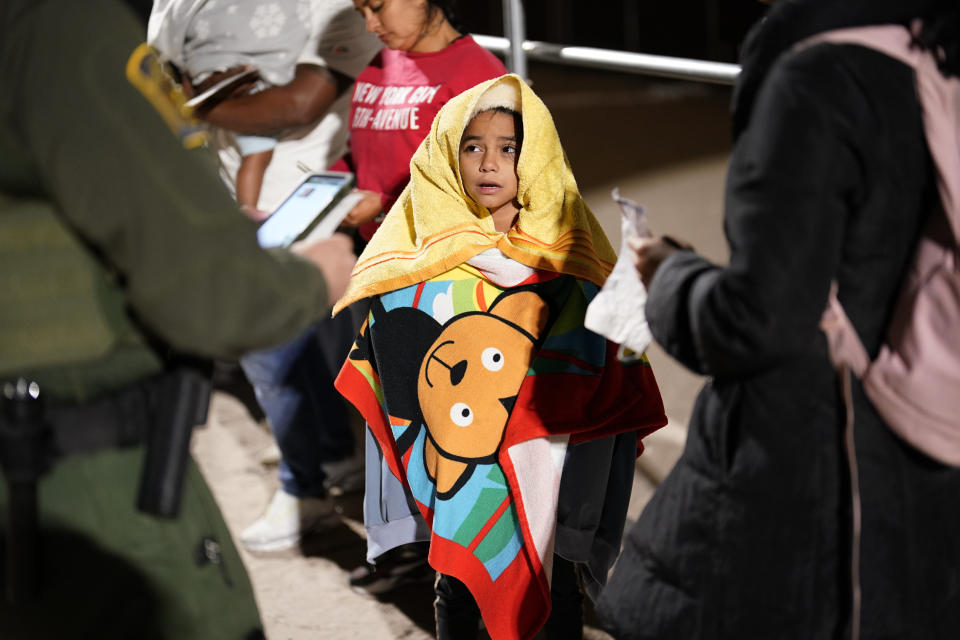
{"x":794,"y":176}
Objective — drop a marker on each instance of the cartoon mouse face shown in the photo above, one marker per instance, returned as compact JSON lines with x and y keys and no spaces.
{"x":459,"y":379}
{"x":469,"y":378}
{"x":468,"y":381}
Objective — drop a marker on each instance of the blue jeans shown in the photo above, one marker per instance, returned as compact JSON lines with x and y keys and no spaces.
{"x":294,"y":386}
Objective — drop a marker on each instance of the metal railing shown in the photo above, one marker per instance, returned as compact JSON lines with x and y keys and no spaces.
{"x":515,"y":48}
{"x":642,"y":63}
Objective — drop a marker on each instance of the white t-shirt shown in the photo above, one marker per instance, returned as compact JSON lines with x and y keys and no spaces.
{"x":340,"y":42}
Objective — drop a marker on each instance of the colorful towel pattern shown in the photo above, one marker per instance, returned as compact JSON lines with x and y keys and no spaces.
{"x":464,"y":384}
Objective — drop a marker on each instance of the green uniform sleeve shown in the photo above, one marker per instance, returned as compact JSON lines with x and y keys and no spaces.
{"x":156,"y":213}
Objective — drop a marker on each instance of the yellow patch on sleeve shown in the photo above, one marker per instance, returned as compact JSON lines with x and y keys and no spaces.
{"x":155,"y":82}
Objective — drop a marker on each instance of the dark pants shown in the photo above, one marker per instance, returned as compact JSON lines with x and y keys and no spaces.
{"x":458,"y":617}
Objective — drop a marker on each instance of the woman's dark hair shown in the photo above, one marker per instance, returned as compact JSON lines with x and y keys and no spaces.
{"x":448,"y":8}
{"x":941,"y":35}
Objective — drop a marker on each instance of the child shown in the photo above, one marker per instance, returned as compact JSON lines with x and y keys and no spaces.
{"x":475,"y":373}
{"x":204,"y":38}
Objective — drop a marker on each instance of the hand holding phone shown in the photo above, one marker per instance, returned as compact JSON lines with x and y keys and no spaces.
{"x":368,"y":206}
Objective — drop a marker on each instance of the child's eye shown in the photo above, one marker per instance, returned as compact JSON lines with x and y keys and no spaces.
{"x":509,"y":148}
{"x":471,"y":148}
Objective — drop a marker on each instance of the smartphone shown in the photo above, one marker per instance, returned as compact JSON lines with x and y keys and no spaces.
{"x":314,"y":200}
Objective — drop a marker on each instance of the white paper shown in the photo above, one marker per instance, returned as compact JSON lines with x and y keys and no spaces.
{"x":617,"y":312}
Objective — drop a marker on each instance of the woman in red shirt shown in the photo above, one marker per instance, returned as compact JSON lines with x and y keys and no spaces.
{"x":426,"y":62}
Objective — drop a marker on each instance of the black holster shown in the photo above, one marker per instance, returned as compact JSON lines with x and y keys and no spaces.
{"x":184,"y":397}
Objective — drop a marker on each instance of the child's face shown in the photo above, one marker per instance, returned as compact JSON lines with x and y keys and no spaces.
{"x":488,"y":161}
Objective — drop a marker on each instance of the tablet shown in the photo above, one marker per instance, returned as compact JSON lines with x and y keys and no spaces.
{"x":318,"y":200}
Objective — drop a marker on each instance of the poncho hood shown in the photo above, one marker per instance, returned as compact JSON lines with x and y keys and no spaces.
{"x":435,"y":226}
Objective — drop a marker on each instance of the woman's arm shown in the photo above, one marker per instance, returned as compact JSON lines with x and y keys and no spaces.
{"x":302,"y":101}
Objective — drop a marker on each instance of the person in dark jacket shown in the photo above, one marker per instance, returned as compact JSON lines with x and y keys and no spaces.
{"x":752,"y":534}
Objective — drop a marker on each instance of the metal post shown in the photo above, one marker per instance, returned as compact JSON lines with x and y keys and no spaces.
{"x":516,"y":31}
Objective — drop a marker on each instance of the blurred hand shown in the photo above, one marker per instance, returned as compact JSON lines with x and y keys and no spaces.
{"x":334,"y":257}
{"x":650,"y":252}
{"x":188,"y":89}
{"x":257,"y":215}
{"x":365,"y":210}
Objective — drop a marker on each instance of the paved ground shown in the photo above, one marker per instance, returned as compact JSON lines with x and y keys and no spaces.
{"x":665,"y":145}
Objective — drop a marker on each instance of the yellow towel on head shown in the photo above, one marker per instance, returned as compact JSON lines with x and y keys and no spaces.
{"x":435,"y":226}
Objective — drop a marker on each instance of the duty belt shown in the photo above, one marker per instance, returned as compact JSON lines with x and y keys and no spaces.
{"x":161,"y":412}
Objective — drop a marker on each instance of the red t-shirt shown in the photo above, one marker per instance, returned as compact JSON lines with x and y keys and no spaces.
{"x":394,"y":102}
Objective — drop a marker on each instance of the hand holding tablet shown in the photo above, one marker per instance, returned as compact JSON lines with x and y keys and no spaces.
{"x":313,"y":211}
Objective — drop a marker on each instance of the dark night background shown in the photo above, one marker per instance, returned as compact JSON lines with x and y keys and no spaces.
{"x":703,"y":29}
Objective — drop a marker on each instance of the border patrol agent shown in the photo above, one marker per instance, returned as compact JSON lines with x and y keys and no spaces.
{"x":119,"y":252}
